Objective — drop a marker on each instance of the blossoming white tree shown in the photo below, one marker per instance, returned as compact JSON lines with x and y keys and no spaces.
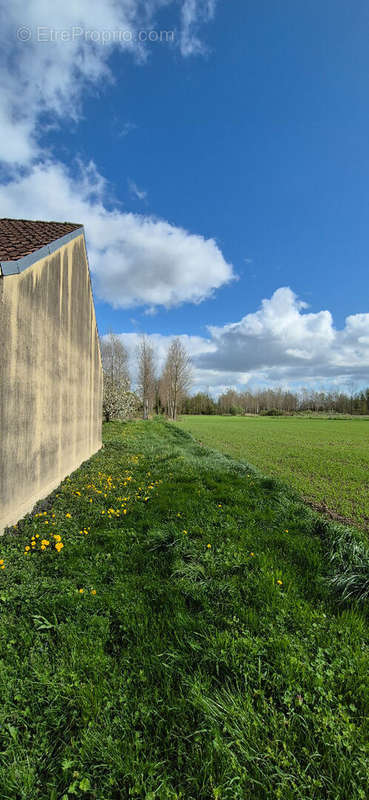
{"x":118,"y":401}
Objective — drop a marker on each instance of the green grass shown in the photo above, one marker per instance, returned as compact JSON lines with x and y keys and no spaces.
{"x":325,"y":460}
{"x":194,"y":672}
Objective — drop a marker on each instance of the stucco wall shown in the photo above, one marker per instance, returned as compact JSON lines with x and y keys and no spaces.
{"x":50,"y":378}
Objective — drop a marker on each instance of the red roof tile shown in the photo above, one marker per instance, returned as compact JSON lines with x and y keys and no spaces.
{"x":19,"y":237}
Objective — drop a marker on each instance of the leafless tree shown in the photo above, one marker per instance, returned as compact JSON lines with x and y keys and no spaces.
{"x":146,"y":375}
{"x":176,"y":377}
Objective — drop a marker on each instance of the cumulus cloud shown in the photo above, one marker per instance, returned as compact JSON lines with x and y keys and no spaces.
{"x":135,"y":260}
{"x":282,"y":344}
{"x":51,"y":55}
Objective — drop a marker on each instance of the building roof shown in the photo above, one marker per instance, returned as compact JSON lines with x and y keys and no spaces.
{"x":20,"y":237}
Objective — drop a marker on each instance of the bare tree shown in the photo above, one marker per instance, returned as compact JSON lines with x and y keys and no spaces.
{"x":146,"y":375}
{"x":118,"y":401}
{"x":176,"y":378}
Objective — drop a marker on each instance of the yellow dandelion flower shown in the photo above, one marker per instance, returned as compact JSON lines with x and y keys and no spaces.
{"x":185,"y":531}
{"x":45,"y":542}
{"x":279,"y":583}
{"x":252,"y":554}
{"x":1,"y":561}
{"x":93,"y":591}
{"x":57,"y":537}
{"x":3,"y":566}
{"x":208,"y":546}
{"x":68,"y":516}
{"x":27,"y":547}
{"x":43,"y":547}
{"x":59,"y":546}
{"x":81,"y":591}
{"x":286,"y":531}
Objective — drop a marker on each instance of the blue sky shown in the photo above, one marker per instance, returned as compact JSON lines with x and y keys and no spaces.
{"x":224,"y":169}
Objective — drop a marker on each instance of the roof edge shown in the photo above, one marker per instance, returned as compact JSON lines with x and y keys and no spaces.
{"x":20,"y":264}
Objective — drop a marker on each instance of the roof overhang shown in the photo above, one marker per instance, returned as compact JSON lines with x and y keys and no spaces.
{"x":15,"y":267}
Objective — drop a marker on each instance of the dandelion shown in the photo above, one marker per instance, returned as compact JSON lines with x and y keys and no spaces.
{"x":27,"y":547}
{"x":185,"y":531}
{"x":3,"y":566}
{"x":45,"y":542}
{"x":93,"y":591}
{"x":59,"y":546}
{"x":68,"y":516}
{"x":208,"y":546}
{"x":57,"y":537}
{"x":279,"y":583}
{"x":286,"y":531}
{"x":81,"y":591}
{"x":252,"y":554}
{"x":43,"y":547}
{"x":1,"y":561}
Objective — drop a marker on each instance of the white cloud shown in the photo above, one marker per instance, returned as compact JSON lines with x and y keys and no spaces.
{"x":194,"y":13}
{"x":139,"y":193}
{"x":283,"y":342}
{"x":193,"y":344}
{"x":280,"y":344}
{"x":43,"y":73}
{"x":134,"y":259}
{"x":127,"y":128}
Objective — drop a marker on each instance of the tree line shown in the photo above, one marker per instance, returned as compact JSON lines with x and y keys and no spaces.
{"x":167,"y":391}
{"x":278,"y":401}
{"x":156,"y":392}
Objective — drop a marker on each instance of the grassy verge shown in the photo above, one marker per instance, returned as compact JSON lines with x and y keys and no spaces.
{"x":325,"y":460}
{"x":186,"y":641}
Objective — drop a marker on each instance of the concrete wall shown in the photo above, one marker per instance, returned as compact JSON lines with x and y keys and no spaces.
{"x":50,"y":378}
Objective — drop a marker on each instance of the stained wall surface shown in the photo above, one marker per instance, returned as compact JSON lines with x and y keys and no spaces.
{"x":50,"y":378}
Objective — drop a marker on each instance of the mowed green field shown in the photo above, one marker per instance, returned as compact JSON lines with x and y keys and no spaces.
{"x":325,"y":460}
